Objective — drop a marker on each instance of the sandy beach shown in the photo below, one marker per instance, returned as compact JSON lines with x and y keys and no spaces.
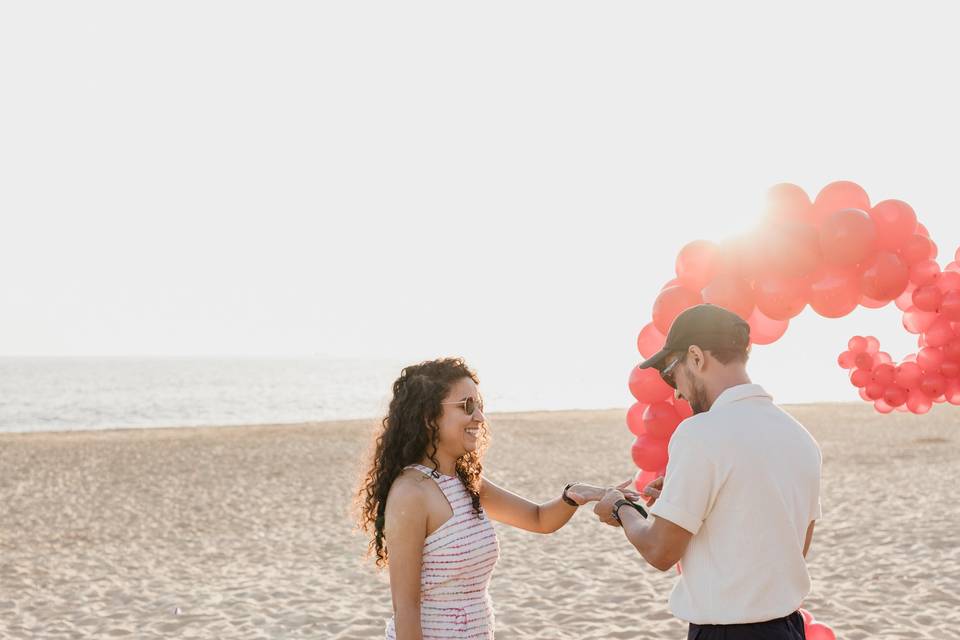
{"x":244,"y":532}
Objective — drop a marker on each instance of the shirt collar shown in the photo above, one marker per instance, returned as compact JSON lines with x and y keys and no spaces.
{"x":740,"y":392}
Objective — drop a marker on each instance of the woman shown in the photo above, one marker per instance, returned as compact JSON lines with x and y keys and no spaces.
{"x":428,"y":506}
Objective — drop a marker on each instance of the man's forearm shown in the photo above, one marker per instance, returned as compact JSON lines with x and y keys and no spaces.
{"x":639,"y":532}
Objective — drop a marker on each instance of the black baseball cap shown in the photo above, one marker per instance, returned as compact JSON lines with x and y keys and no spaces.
{"x":705,"y":325}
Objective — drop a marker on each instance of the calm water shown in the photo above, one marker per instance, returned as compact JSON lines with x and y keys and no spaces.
{"x":59,"y":394}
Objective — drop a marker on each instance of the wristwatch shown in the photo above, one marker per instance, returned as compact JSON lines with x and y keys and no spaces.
{"x":621,"y":502}
{"x":570,"y":501}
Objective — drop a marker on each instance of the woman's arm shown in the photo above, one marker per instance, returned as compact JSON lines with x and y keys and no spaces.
{"x":405,"y":530}
{"x":516,"y":511}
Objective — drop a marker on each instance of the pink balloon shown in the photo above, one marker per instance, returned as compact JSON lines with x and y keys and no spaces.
{"x":838,"y":195}
{"x":927,"y":297}
{"x":847,"y":360}
{"x":952,"y":391}
{"x":647,"y":386}
{"x":908,"y":375}
{"x":951,"y":350}
{"x":764,"y":330}
{"x":660,"y":420}
{"x":882,"y":407}
{"x":950,"y":369}
{"x":917,"y":249}
{"x":787,"y":201}
{"x":791,"y":249}
{"x":649,"y":452}
{"x":905,"y":300}
{"x":874,"y":391}
{"x":860,"y":378}
{"x":917,"y":321}
{"x":883,"y":356}
{"x":857,"y":344}
{"x":885,"y":277}
{"x":820,"y":631}
{"x":924,"y":272}
{"x":869,"y":303}
{"x":950,"y":306}
{"x":949,"y":281}
{"x":807,"y":616}
{"x":650,"y":340}
{"x":933,"y":384}
{"x":864,"y":360}
{"x":683,"y":408}
{"x":697,"y":265}
{"x":834,"y":293}
{"x":643,"y":478}
{"x":918,"y":402}
{"x":781,"y":298}
{"x":731,"y":293}
{"x":873,"y":345}
{"x":884,"y":374}
{"x":847,"y":238}
{"x":671,"y":302}
{"x":930,"y":359}
{"x":895,"y":222}
{"x":939,"y":333}
{"x":894,"y":396}
{"x":635,"y":418}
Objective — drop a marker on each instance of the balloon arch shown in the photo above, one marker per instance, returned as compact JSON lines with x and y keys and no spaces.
{"x":833,"y":254}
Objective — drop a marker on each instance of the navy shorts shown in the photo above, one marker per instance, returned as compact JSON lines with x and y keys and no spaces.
{"x":788,"y":628}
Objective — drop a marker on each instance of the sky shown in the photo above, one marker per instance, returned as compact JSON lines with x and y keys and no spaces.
{"x":506,"y":181}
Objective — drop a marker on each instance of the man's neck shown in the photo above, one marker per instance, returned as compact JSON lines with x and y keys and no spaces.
{"x":730,"y":379}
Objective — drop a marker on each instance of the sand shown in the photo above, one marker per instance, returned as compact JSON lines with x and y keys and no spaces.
{"x":243,"y":532}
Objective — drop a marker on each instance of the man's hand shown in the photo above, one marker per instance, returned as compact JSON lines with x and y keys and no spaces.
{"x":584,"y":493}
{"x":604,"y":508}
{"x":652,"y":491}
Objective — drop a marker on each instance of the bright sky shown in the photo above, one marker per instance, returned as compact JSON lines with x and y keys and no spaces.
{"x":507,"y":181}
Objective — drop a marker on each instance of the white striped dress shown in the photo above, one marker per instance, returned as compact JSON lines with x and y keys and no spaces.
{"x":458,"y":559}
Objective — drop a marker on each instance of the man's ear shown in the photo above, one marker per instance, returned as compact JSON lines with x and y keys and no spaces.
{"x":697,"y":358}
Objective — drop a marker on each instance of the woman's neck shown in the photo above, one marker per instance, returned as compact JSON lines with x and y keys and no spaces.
{"x":445,"y":464}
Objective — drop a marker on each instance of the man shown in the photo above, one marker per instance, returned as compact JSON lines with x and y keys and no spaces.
{"x":741,"y":494}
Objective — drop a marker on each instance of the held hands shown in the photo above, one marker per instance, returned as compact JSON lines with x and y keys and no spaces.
{"x":584,"y":493}
{"x":604,"y":507}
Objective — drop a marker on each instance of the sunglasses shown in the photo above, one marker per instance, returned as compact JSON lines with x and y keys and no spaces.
{"x":667,"y":375}
{"x":470,"y":405}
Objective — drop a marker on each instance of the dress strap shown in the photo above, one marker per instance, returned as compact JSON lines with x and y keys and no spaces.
{"x":427,"y":471}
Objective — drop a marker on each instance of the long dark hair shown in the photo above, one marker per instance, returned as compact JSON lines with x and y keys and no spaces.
{"x":408,"y":434}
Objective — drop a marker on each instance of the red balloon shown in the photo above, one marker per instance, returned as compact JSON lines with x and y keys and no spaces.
{"x":918,"y":402}
{"x":649,"y":453}
{"x":927,"y":298}
{"x":643,"y":478}
{"x":683,"y":408}
{"x":864,"y":360}
{"x":847,"y":238}
{"x":835,"y":292}
{"x":953,"y":266}
{"x":873,"y":345}
{"x":787,"y":201}
{"x":743,"y":256}
{"x":917,"y":321}
{"x":807,"y":616}
{"x":885,"y":278}
{"x":950,"y":306}
{"x":647,"y":387}
{"x":870,"y":303}
{"x":950,"y":369}
{"x":675,"y":282}
{"x":839,"y":195}
{"x":933,"y":384}
{"x":951,"y":351}
{"x":792,"y":249}
{"x":930,"y":359}
{"x":820,"y":631}
{"x":922,"y":230}
{"x":917,"y":249}
{"x":764,"y":330}
{"x":660,"y":420}
{"x":894,"y":396}
{"x":671,"y":302}
{"x":861,"y":378}
{"x":883,"y":356}
{"x":939,"y":333}
{"x":874,"y":391}
{"x":635,"y":418}
{"x":884,"y":374}
{"x":650,"y":340}
{"x":731,"y":293}
{"x":908,"y":375}
{"x":697,"y":264}
{"x":857,"y":344}
{"x":952,"y":391}
{"x":781,"y":298}
{"x":895,"y":222}
{"x":847,"y":360}
{"x":924,"y":272}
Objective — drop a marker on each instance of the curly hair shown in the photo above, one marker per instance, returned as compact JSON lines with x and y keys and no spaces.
{"x":408,"y":434}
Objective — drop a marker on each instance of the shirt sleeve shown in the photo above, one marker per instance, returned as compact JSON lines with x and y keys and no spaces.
{"x":689,"y":487}
{"x":817,"y":510}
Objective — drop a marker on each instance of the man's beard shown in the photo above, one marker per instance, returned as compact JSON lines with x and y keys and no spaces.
{"x":698,"y":398}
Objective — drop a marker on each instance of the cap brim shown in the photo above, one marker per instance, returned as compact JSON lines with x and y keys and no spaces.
{"x":656,"y":360}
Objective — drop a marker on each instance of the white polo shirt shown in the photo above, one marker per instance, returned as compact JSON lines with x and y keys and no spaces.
{"x":744,"y":479}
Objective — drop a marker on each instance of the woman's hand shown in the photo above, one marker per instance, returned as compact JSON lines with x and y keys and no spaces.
{"x":582,"y":493}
